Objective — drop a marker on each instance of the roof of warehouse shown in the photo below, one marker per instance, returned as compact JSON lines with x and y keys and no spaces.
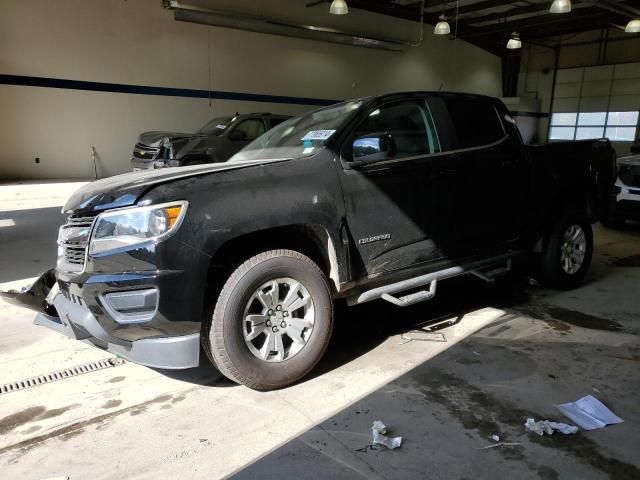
{"x":488,"y":23}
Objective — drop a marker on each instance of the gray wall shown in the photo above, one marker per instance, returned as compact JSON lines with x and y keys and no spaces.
{"x":137,"y":42}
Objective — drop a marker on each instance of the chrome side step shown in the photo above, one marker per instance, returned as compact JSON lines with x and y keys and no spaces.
{"x":491,"y":275}
{"x":387,"y":292}
{"x":412,"y":298}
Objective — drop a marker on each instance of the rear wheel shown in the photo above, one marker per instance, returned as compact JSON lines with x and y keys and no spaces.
{"x":272,"y":321}
{"x":567,"y":253}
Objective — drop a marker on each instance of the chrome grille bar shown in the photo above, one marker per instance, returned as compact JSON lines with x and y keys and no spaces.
{"x":73,"y":241}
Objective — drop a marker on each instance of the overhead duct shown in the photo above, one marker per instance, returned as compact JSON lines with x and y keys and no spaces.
{"x":243,"y":21}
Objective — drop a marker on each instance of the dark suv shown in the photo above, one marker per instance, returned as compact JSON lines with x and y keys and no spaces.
{"x":217,"y":141}
{"x":373,"y":199}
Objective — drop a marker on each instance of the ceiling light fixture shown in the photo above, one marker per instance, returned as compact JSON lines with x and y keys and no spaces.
{"x":560,"y":6}
{"x":633,"y":26}
{"x":514,"y":42}
{"x":442,"y":27}
{"x":338,"y":7}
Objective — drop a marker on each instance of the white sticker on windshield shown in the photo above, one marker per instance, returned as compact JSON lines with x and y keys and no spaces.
{"x":318,"y":135}
{"x":221,"y":127}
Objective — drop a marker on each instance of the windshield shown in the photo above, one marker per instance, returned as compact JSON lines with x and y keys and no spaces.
{"x":299,"y":137}
{"x":215,"y":126}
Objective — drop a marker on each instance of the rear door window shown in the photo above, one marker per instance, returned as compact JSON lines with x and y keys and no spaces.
{"x":476,"y":122}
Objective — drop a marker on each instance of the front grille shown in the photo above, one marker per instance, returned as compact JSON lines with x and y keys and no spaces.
{"x":74,"y":254}
{"x":145,"y":152}
{"x":73,"y":241}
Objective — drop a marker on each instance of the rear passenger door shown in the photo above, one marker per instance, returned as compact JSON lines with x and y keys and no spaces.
{"x":492,"y":181}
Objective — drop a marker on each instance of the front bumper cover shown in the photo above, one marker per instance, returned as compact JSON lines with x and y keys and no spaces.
{"x":72,"y":318}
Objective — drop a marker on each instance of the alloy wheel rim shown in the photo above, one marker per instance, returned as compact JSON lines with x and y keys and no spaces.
{"x":278,"y":320}
{"x":573,"y":249}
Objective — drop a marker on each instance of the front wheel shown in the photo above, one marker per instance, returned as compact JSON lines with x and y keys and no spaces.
{"x":272,"y":321}
{"x":567,"y":254}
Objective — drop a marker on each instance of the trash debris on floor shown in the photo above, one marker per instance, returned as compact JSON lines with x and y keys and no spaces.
{"x":379,"y":438}
{"x":589,"y":413}
{"x":545,"y":426}
{"x":423,"y":337}
{"x":366,"y":448}
{"x":495,"y":438}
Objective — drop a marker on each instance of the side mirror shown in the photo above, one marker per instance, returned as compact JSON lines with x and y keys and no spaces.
{"x":238,"y":134}
{"x":372,"y":148}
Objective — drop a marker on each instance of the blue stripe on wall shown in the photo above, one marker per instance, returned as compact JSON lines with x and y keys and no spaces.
{"x":161,"y":91}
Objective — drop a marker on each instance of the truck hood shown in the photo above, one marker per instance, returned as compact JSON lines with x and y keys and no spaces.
{"x":125,"y":190}
{"x":155,"y":139}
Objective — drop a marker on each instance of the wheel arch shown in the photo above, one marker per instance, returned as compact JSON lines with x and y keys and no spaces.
{"x":314,"y":241}
{"x":573,"y":200}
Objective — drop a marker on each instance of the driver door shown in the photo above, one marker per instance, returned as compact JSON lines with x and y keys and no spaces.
{"x":395,"y":212}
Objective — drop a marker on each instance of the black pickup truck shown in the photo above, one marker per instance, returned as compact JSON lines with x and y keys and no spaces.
{"x":372,"y":199}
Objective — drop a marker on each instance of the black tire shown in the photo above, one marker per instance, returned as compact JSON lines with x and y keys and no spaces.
{"x":551,"y":271}
{"x":223,"y":338}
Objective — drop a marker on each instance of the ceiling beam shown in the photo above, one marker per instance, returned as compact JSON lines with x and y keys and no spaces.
{"x":545,"y":22}
{"x":586,"y":26}
{"x":508,"y":13}
{"x":634,"y":8}
{"x":386,"y":8}
{"x":616,"y":8}
{"x":475,"y":7}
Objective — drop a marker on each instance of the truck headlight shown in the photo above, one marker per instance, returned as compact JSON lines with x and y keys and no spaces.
{"x":132,"y":226}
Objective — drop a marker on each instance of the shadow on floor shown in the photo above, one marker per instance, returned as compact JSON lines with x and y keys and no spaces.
{"x":28,"y":239}
{"x":362,"y":328}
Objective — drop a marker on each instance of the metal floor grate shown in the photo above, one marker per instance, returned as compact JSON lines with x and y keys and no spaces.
{"x":61,"y":375}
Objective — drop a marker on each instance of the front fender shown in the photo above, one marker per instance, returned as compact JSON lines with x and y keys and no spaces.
{"x":228,"y":205}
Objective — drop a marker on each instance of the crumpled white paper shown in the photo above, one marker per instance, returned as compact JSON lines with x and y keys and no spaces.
{"x":379,"y":438}
{"x":545,"y":426}
{"x":589,"y":413}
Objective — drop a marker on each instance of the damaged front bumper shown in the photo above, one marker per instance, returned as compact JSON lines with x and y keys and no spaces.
{"x":69,"y":315}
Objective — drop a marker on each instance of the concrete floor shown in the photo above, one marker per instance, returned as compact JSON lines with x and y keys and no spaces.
{"x":480,"y":361}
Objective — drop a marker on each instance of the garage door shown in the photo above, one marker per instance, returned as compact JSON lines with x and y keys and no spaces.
{"x":596,"y":102}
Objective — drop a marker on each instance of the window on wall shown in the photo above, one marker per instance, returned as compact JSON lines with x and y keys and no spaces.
{"x":616,"y":126}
